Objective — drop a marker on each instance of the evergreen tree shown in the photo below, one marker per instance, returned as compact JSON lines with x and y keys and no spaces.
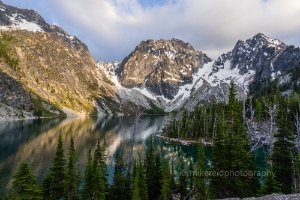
{"x":152,"y":172}
{"x":271,"y":185}
{"x":172,"y":177}
{"x":142,"y":182}
{"x":259,"y":110}
{"x":140,"y":186}
{"x":158,"y":174}
{"x":200,"y":169}
{"x":46,"y":187}
{"x":182,"y":183}
{"x":120,"y":188}
{"x":218,"y":185}
{"x":98,"y":183}
{"x":231,"y":154}
{"x":191,"y":175}
{"x":72,"y":173}
{"x":100,"y":172}
{"x":88,"y":180}
{"x":136,"y":190}
{"x":297,"y":173}
{"x":56,"y":180}
{"x":165,"y":193}
{"x":24,"y":185}
{"x":283,"y":151}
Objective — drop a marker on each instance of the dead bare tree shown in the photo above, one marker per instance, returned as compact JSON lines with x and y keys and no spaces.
{"x":297,"y":124}
{"x":214,"y":127}
{"x":250,"y":121}
{"x":294,"y":173}
{"x":250,"y":127}
{"x":272,"y":111}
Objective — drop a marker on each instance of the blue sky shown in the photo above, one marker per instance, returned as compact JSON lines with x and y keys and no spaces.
{"x":112,"y":28}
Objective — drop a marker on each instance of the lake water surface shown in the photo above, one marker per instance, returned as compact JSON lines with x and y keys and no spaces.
{"x":35,"y":141}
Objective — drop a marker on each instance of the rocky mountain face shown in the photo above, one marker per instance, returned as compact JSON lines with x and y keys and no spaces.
{"x":172,"y":74}
{"x":45,"y":71}
{"x":58,"y":75}
{"x":267,"y":57}
{"x":16,"y":18}
{"x":161,"y":66}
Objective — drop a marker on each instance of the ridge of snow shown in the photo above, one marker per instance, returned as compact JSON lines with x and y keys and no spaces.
{"x":110,"y":75}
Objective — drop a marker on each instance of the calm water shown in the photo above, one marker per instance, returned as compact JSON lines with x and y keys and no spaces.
{"x":35,"y":141}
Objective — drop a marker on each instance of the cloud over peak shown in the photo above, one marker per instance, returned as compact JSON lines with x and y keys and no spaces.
{"x":112,"y":28}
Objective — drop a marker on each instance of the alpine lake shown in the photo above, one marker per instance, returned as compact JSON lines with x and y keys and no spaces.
{"x":35,"y":141}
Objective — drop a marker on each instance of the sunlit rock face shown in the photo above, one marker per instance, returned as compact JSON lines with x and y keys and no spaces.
{"x":161,"y":66}
{"x":12,"y":17}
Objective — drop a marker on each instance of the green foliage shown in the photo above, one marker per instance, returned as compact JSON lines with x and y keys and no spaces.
{"x":165,"y":193}
{"x":72,"y":174}
{"x":140,"y":186}
{"x":182,"y":181}
{"x":200,"y":167}
{"x":271,"y":185}
{"x":24,"y":185}
{"x":136,"y":190}
{"x":40,"y":111}
{"x":267,"y":87}
{"x":88,"y":185}
{"x":92,"y":85}
{"x":154,"y":110}
{"x":100,"y":172}
{"x":7,"y":50}
{"x":232,"y":142}
{"x":283,"y":151}
{"x":259,"y":110}
{"x":201,"y":122}
{"x":120,"y":188}
{"x":56,"y":180}
{"x":172,"y":177}
{"x":191,"y":174}
{"x":153,"y":172}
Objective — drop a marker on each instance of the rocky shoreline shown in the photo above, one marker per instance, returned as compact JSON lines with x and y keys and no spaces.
{"x":183,"y":141}
{"x":271,"y":197}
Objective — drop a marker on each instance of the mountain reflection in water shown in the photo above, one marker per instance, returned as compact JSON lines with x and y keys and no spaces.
{"x":35,"y":141}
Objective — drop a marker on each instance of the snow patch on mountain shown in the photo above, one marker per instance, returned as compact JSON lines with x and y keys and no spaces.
{"x":109,"y":70}
{"x":19,"y":23}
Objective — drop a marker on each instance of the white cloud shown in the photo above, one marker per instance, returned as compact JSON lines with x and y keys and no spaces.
{"x":112,"y":28}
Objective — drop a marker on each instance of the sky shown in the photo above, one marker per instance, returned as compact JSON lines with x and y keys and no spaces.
{"x":113,"y":28}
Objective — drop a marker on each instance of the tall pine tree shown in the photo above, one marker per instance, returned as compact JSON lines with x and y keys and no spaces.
{"x":191,"y":175}
{"x":56,"y":180}
{"x":140,"y":186}
{"x":165,"y":193}
{"x":200,"y":169}
{"x":100,"y":172}
{"x":182,"y":183}
{"x":153,"y":172}
{"x":24,"y":185}
{"x":283,"y":151}
{"x":72,"y":174}
{"x":231,"y":155}
{"x":88,"y":180}
{"x":120,"y":188}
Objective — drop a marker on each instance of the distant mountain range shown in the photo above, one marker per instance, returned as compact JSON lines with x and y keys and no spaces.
{"x":58,"y":76}
{"x":174,"y":74}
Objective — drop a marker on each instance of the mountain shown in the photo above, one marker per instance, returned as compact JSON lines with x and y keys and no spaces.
{"x":161,"y":66}
{"x":47,"y":72}
{"x":261,"y":55}
{"x":172,"y":74}
{"x":12,"y":18}
{"x":44,"y":71}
